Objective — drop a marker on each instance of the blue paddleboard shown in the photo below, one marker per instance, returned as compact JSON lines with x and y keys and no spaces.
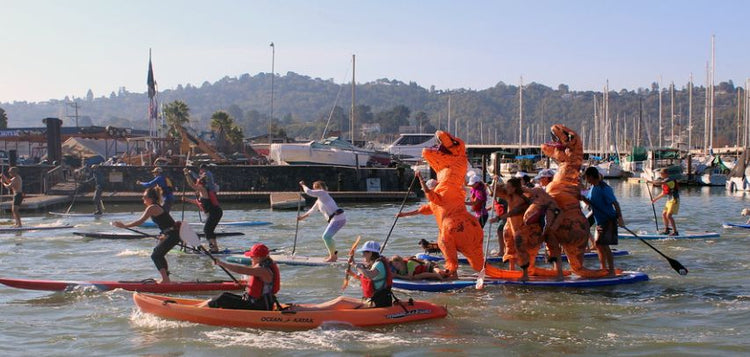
{"x":572,"y":281}
{"x":735,"y":225}
{"x":683,"y":235}
{"x":539,"y":258}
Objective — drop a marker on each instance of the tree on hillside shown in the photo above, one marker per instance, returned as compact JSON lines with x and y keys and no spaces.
{"x":391,"y":119}
{"x":3,"y":119}
{"x":177,"y":113}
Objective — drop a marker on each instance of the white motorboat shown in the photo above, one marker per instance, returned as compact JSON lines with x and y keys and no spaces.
{"x":408,"y":147}
{"x":329,"y":151}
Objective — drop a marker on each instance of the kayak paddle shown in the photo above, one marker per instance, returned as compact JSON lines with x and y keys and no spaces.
{"x":191,"y":239}
{"x":349,"y":262}
{"x":679,"y":268}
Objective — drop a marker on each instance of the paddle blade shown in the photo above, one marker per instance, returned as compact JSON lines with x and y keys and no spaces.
{"x":348,"y":265}
{"x":480,"y":280}
{"x":188,"y":235}
{"x":677,"y":266}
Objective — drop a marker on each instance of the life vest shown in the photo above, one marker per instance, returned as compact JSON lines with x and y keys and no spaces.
{"x":214,"y":199}
{"x":674,"y":190}
{"x":500,"y":205}
{"x":368,"y":285}
{"x":256,"y":288}
{"x":420,"y":267}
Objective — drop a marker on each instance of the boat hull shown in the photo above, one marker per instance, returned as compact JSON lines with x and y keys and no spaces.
{"x":295,"y":317}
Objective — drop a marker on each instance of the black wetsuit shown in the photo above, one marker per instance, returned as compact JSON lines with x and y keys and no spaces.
{"x":213,"y":216}
{"x":166,"y":224}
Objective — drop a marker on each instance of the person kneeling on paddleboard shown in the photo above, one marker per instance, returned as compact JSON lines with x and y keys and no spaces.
{"x":375,"y":276}
{"x":263,"y":283}
{"x":170,"y":233}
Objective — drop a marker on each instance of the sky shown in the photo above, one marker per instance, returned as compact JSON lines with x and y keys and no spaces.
{"x":52,"y":49}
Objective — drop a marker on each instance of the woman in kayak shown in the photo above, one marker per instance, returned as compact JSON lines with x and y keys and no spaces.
{"x":327,"y":206}
{"x":375,"y":276}
{"x":170,"y":233}
{"x":262,"y":285}
{"x":209,"y":203}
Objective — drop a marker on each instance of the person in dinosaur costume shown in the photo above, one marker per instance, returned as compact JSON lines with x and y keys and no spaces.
{"x":459,"y":230}
{"x":572,"y":232}
{"x":523,"y":230}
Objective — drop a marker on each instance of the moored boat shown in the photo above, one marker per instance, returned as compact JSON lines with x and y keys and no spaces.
{"x":346,"y":311}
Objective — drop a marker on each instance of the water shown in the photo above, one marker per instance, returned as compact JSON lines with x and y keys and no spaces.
{"x":703,"y":313}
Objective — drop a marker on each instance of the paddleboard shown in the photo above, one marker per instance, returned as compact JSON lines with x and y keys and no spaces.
{"x":148,"y":285}
{"x":124,"y":235}
{"x":735,"y":225}
{"x":572,"y":281}
{"x":683,"y":235}
{"x":63,"y":214}
{"x":223,"y":252}
{"x":288,"y":260}
{"x":539,"y":258}
{"x":150,"y":224}
{"x":34,"y":228}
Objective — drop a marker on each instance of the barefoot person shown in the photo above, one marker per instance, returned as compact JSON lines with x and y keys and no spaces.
{"x":671,"y":190}
{"x":333,"y":214}
{"x":14,"y":183}
{"x":208,"y":203}
{"x":607,"y":216}
{"x":170,"y":233}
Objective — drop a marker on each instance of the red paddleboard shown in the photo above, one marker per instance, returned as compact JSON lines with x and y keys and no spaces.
{"x":148,"y":285}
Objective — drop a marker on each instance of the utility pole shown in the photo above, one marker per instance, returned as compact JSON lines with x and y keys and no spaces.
{"x":273,"y":75}
{"x":74,"y":105}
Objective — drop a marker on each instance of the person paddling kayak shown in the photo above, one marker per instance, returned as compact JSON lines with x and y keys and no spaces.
{"x":170,"y":233}
{"x":263,"y":283}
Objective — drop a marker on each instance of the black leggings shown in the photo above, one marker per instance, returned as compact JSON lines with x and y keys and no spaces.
{"x":381,"y":298}
{"x":164,"y":246}
{"x":234,"y":301}
{"x":213,"y":216}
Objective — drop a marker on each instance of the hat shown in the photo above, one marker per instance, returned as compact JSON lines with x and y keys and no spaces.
{"x":544,"y":173}
{"x":431,"y":183}
{"x":473,"y":180}
{"x":257,"y":251}
{"x":156,"y":169}
{"x":370,"y":246}
{"x":521,"y":174}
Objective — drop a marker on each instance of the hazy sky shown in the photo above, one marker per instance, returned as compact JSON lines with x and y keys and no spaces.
{"x":50,"y":49}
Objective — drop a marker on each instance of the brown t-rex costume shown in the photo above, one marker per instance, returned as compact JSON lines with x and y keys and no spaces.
{"x":572,"y":228}
{"x":459,"y":230}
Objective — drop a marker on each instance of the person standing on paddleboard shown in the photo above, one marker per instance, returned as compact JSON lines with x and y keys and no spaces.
{"x":670,"y":189}
{"x":209,"y":204}
{"x":166,"y":187}
{"x":478,"y":199}
{"x":14,"y":183}
{"x":170,"y":233}
{"x":98,"y":178}
{"x":330,"y":210}
{"x":607,"y":216}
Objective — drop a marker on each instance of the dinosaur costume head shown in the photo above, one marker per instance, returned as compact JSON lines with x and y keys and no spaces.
{"x":566,"y":146}
{"x":447,"y":158}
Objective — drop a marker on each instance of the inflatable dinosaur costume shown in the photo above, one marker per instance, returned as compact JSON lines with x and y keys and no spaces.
{"x":459,"y":230}
{"x":572,"y":228}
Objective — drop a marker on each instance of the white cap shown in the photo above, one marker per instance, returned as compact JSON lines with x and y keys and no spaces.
{"x":431,"y":183}
{"x":474,"y":179}
{"x":370,"y":246}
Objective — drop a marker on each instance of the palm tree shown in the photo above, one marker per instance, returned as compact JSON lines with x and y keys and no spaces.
{"x":223,"y":124}
{"x":177,"y":113}
{"x":3,"y":119}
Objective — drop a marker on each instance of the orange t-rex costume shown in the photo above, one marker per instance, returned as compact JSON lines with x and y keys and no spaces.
{"x":572,"y":228}
{"x":459,"y":230}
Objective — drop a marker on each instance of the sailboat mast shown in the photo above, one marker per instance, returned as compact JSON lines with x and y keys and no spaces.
{"x":351,"y":129}
{"x":520,"y":117}
{"x":690,"y":113}
{"x":671,"y":98}
{"x":713,"y":82}
{"x":705,"y":112}
{"x":660,"y":111}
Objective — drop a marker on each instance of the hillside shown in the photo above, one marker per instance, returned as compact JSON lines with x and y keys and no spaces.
{"x":302,"y":106}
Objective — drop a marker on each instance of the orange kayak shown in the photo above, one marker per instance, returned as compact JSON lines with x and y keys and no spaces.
{"x":341,"y":310}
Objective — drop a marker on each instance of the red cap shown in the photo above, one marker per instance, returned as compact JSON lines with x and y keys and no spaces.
{"x":257,"y":251}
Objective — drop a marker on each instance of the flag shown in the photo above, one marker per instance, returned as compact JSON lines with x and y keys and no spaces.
{"x":150,"y":80}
